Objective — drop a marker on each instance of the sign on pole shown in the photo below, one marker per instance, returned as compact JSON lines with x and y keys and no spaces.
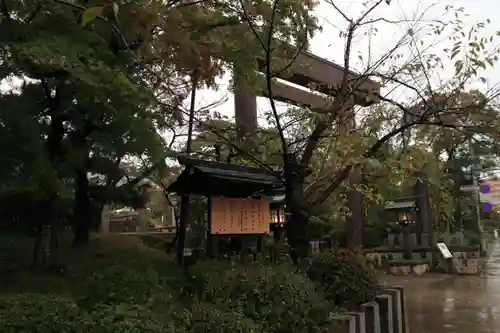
{"x":468,"y":188}
{"x":444,"y":250}
{"x":489,"y":192}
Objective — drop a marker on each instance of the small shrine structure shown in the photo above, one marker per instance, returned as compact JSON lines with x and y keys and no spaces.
{"x":237,"y":199}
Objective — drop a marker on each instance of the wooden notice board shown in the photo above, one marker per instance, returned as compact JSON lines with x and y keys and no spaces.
{"x":236,"y":216}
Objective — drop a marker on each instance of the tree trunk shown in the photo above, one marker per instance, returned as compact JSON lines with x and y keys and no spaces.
{"x":297,"y":235}
{"x":457,"y":194}
{"x":81,"y":232}
{"x":457,"y":214}
{"x":355,"y":222}
{"x":425,"y":209}
{"x":46,"y":238}
{"x":45,"y":252}
{"x":424,"y":214}
{"x":81,"y":210}
{"x":37,"y":260}
{"x":297,"y":226}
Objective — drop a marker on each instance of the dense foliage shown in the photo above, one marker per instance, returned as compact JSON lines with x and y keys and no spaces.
{"x":275,"y":298}
{"x":129,"y":287}
{"x":345,"y":276}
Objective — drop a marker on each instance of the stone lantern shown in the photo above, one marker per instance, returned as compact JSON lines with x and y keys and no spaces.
{"x":405,"y":210}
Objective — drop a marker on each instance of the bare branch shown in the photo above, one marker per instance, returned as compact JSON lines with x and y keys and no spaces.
{"x":248,"y":19}
{"x":216,"y":132}
{"x":365,"y":14}
{"x":331,"y":2}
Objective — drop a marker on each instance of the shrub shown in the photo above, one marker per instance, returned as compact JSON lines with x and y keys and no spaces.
{"x":473,"y":237}
{"x":156,"y":242}
{"x":39,"y":313}
{"x":275,"y":298}
{"x":130,"y":273}
{"x":319,"y":229}
{"x":375,"y":236}
{"x":121,"y":284}
{"x":209,"y":317}
{"x":133,"y":318}
{"x":345,"y":276}
{"x":337,"y":238}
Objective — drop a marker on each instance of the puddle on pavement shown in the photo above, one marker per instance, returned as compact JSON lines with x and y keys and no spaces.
{"x":458,"y":304}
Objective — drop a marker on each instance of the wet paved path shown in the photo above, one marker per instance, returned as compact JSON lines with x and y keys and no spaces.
{"x":458,"y":304}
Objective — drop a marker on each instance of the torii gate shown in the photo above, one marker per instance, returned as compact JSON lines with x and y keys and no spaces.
{"x":307,"y":69}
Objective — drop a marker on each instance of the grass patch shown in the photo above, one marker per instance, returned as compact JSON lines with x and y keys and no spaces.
{"x":103,"y":253}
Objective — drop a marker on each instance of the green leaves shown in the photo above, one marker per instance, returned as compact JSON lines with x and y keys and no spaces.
{"x":93,"y":12}
{"x":99,"y":93}
{"x":346,"y":277}
{"x":459,"y":66}
{"x":475,"y":49}
{"x":275,"y":297}
{"x":479,"y":63}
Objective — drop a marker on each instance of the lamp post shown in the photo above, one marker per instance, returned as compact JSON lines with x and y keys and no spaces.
{"x":277,"y":224}
{"x":405,"y":220}
{"x":277,"y":221}
{"x":277,"y":209}
{"x":476,"y":171}
{"x":405,"y":209}
{"x":277,"y":216}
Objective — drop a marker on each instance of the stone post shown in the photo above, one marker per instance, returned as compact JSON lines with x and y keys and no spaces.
{"x":143,"y":219}
{"x":105,"y":220}
{"x":343,"y":323}
{"x":360,"y":321}
{"x":404,"y":317}
{"x":386,"y":309}
{"x":397,"y":313}
{"x":372,"y":317}
{"x":407,"y":243}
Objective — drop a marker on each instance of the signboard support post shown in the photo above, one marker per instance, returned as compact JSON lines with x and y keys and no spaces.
{"x":445,"y":252}
{"x":449,"y":265}
{"x":212,"y":244}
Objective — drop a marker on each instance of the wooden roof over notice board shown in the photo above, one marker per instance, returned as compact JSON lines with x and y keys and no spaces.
{"x":222,"y":179}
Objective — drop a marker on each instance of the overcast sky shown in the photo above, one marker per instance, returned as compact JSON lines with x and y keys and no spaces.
{"x":327,"y":43}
